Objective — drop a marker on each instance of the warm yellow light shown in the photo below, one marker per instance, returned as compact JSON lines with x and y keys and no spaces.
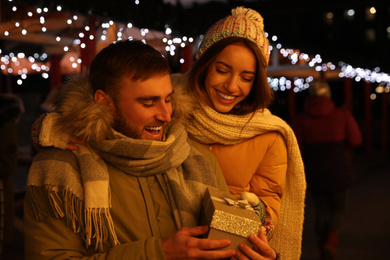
{"x":329,"y":15}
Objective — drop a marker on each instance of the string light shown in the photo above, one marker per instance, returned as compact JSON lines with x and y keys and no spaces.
{"x":277,"y":84}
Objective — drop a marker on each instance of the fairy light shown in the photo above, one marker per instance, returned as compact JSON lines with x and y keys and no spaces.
{"x":276,"y":84}
{"x":351,"y":12}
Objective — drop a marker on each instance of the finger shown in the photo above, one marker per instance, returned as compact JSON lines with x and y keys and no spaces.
{"x":249,"y":253}
{"x":208,"y":244}
{"x":240,"y":256}
{"x":197,"y":231}
{"x":262,"y":245}
{"x":75,"y":140}
{"x":215,"y":254}
{"x":262,"y":236}
{"x":71,"y":147}
{"x":260,"y":242}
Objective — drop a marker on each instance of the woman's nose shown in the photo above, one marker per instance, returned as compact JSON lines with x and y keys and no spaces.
{"x":231,"y":84}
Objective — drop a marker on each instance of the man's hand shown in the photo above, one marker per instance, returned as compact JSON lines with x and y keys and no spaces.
{"x":260,"y":251}
{"x":184,"y":244}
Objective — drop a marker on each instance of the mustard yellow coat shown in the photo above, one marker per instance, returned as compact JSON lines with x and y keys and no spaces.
{"x":257,"y":165}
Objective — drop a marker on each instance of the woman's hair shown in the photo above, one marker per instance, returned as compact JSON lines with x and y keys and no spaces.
{"x":127,"y":58}
{"x":259,"y":97}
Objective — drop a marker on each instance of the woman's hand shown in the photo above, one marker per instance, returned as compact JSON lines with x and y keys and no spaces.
{"x":261,"y":250}
{"x":72,"y":141}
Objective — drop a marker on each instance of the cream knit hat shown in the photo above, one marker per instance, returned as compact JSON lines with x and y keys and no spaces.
{"x":243,"y":22}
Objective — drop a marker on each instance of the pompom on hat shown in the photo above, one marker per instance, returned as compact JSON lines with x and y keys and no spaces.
{"x":244,"y":23}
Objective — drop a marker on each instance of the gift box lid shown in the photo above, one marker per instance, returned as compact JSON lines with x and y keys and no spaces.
{"x":228,"y":213}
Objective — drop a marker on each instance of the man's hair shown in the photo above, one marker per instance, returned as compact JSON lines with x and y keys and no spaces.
{"x":260,"y":95}
{"x":129,"y":58}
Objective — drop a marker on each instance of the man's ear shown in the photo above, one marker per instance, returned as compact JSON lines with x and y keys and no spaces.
{"x":102,"y":98}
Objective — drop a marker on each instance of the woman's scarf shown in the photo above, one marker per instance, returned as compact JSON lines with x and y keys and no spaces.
{"x":210,"y":127}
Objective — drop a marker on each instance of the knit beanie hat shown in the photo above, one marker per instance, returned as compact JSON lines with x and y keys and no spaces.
{"x":244,"y":23}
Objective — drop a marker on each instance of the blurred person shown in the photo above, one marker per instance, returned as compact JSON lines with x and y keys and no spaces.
{"x":11,"y":108}
{"x":325,"y":134}
{"x":134,"y":188}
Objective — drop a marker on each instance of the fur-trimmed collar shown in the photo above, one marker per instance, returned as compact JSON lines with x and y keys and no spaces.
{"x":81,"y":116}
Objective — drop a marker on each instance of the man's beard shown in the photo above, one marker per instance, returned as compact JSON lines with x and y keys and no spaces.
{"x":121,"y":126}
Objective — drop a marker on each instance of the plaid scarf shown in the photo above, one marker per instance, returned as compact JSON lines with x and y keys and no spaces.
{"x":210,"y":127}
{"x":82,"y":195}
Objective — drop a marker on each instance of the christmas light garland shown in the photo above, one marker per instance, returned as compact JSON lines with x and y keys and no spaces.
{"x":37,"y":63}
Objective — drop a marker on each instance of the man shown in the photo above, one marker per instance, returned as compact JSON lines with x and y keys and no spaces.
{"x":134,"y":192}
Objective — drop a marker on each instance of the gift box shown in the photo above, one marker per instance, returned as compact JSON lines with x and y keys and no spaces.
{"x":229,"y":218}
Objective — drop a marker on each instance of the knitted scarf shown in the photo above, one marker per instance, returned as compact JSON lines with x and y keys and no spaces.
{"x":210,"y":127}
{"x":82,"y":195}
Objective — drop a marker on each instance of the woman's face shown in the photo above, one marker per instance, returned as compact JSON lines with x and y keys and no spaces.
{"x":230,"y":77}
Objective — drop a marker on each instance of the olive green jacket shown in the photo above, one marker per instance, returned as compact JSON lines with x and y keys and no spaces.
{"x":53,"y":239}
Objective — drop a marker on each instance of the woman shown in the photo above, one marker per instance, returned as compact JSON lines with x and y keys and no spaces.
{"x":256,"y":150}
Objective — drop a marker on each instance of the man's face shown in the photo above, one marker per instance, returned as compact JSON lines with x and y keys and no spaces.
{"x":143,"y":108}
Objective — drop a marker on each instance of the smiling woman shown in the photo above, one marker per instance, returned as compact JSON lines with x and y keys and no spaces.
{"x":230,"y":77}
{"x":256,"y":150}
